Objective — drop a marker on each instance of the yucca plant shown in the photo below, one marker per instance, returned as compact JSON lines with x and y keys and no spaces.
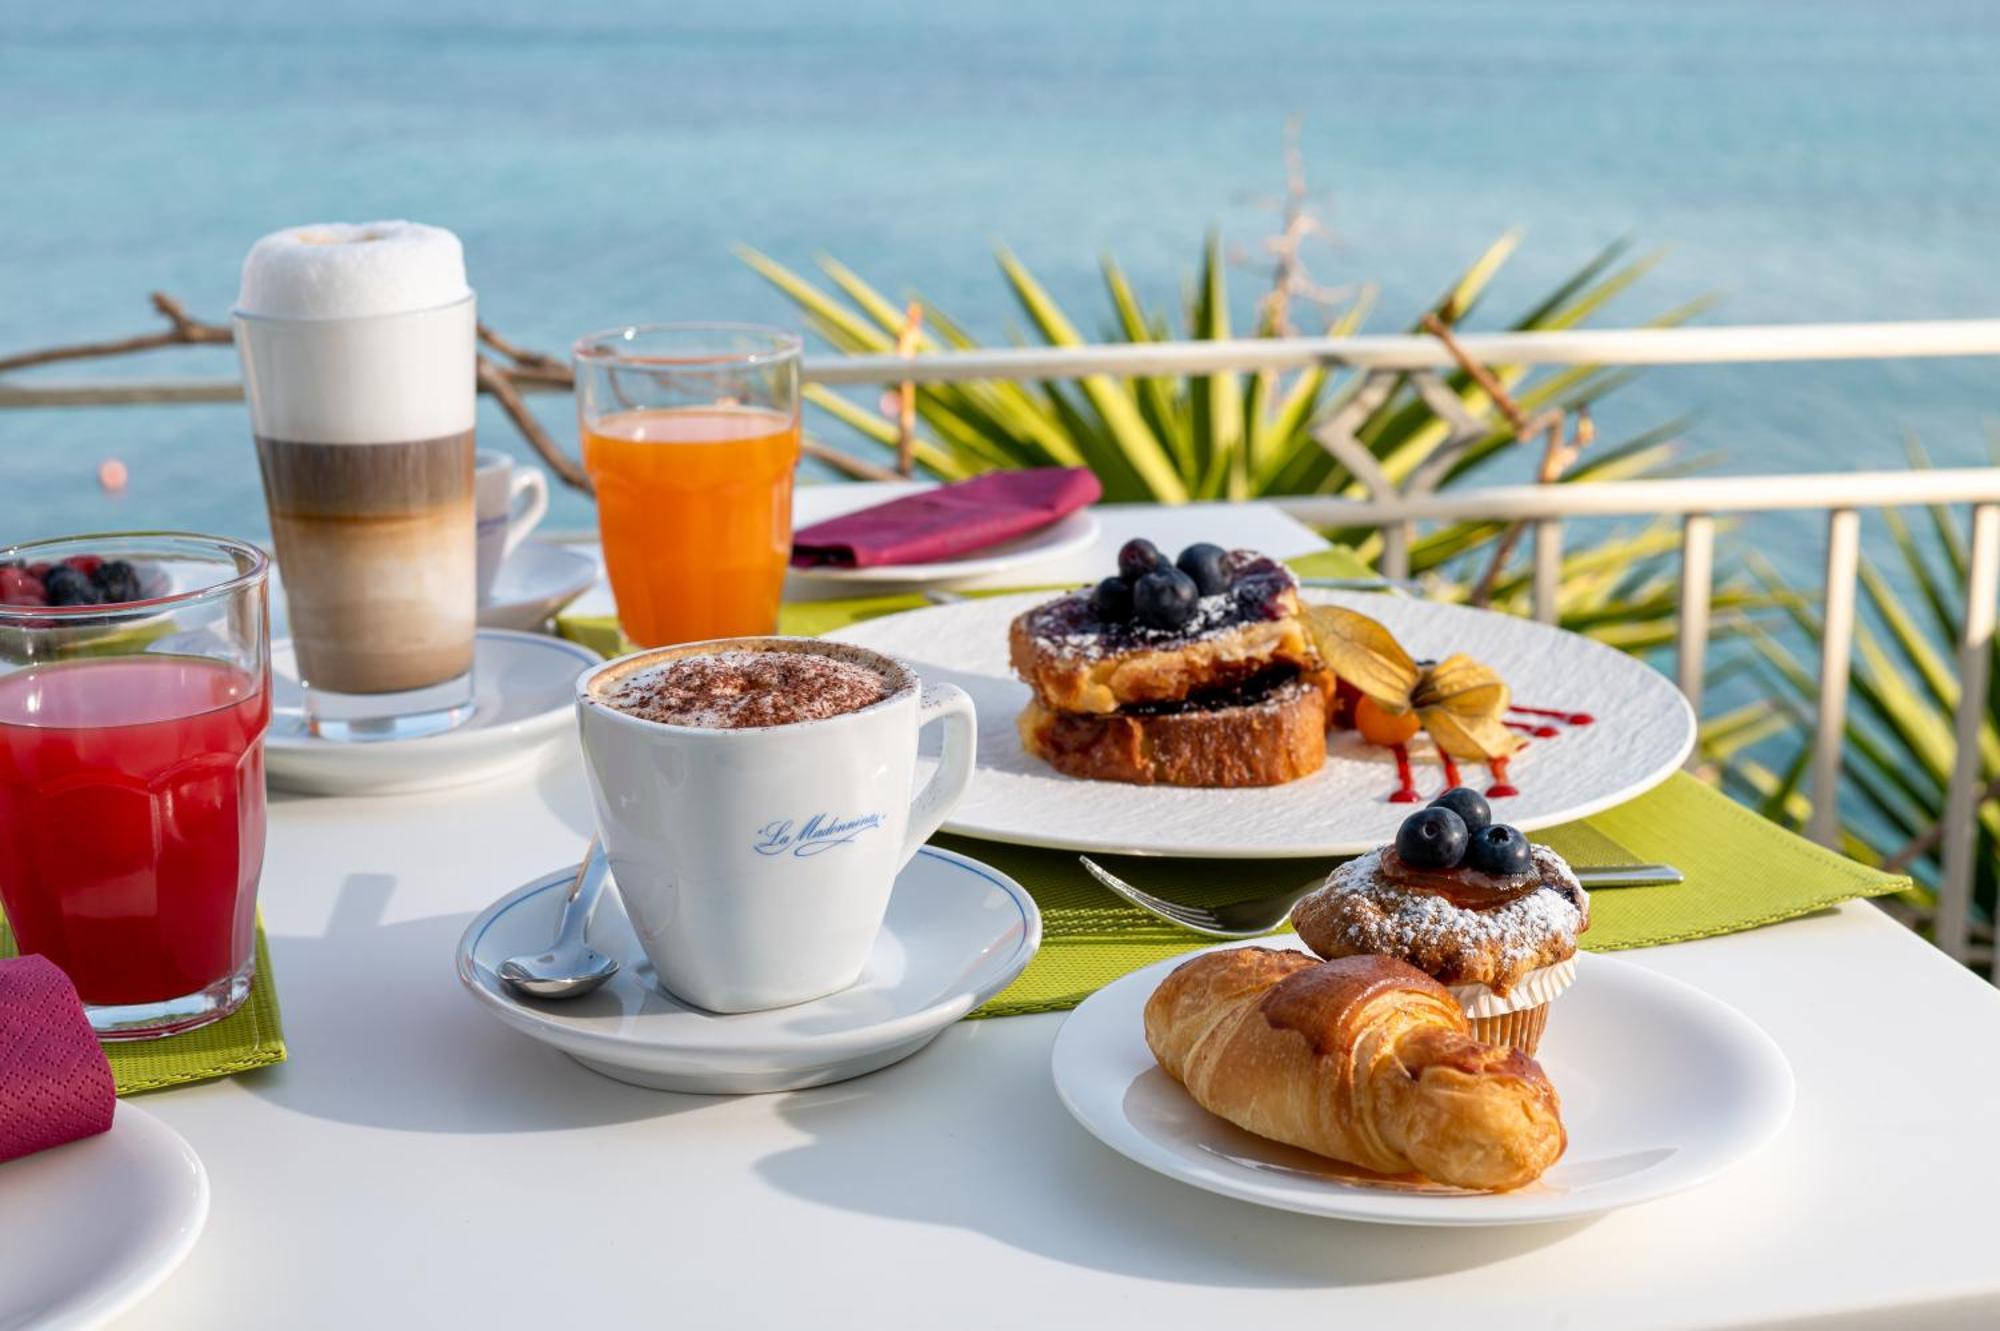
{"x":1903,"y":693}
{"x":1234,"y":435}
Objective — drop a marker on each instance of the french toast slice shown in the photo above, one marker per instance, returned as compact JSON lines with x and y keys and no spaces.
{"x":1078,"y":663}
{"x":1264,"y":731}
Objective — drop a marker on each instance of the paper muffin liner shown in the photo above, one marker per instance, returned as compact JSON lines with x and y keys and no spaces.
{"x":1518,"y":1017}
{"x":1520,"y":1029}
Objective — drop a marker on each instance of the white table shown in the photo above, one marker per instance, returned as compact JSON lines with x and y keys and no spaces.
{"x":416,"y":1164}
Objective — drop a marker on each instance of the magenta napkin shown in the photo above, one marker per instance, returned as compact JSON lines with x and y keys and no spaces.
{"x":55,"y":1085}
{"x":948,"y":521}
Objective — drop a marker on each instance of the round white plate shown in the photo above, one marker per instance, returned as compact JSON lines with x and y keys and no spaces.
{"x":523,"y":698}
{"x":1065,"y":536}
{"x":1643,"y":732}
{"x":89,"y":1229}
{"x":1662,"y":1088}
{"x":957,"y":933}
{"x":535,"y":582}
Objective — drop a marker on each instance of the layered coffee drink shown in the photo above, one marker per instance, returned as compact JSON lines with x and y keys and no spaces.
{"x":742,"y":689}
{"x":358,"y":345}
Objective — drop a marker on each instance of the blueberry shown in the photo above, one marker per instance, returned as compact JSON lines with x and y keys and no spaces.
{"x":117,"y":580}
{"x":1111,"y":600}
{"x":1203,"y":563}
{"x":1499,"y":850}
{"x":1138,"y":557}
{"x":66,"y":586}
{"x":1470,"y":806}
{"x":1432,"y":838}
{"x":1164,"y":598}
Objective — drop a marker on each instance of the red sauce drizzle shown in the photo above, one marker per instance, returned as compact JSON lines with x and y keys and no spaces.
{"x":1499,"y":789}
{"x":1450,"y":771}
{"x":1567,"y":718}
{"x":1406,"y":789}
{"x":1539,"y":732}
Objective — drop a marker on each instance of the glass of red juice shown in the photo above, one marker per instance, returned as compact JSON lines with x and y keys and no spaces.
{"x":132,"y":770}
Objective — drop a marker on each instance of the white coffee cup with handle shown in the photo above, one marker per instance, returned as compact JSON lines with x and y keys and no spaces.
{"x":756,"y":864}
{"x":504,"y":520}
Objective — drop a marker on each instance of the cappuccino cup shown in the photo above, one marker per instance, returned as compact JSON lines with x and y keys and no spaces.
{"x":509,"y":501}
{"x":756,"y":800}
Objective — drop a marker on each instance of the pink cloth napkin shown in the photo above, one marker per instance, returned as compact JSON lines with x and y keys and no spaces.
{"x":948,"y":521}
{"x":55,"y":1085}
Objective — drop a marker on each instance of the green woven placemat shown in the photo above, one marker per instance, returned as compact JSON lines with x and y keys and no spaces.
{"x":1742,"y":872}
{"x":247,"y":1038}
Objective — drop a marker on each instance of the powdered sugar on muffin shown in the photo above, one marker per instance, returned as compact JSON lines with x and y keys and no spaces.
{"x":1359,"y":911}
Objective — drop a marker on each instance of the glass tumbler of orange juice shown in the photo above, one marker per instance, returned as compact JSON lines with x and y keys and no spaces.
{"x":690,"y":436}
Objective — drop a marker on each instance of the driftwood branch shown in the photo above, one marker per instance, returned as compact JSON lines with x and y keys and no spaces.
{"x":1560,"y":448}
{"x":493,"y":379}
{"x":183,"y":331}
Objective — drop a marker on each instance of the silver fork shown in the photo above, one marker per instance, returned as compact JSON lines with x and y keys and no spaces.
{"x":1260,"y":915}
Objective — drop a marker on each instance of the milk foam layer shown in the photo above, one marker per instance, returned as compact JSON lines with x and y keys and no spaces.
{"x":345,"y":270}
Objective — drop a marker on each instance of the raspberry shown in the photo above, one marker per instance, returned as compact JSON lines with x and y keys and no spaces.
{"x":84,"y":564}
{"x":20,"y":587}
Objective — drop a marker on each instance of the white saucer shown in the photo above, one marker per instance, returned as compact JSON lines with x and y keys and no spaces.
{"x":1067,"y":535}
{"x":1663,"y":1087}
{"x":89,"y":1229}
{"x":523,"y":698}
{"x":536,"y":581}
{"x":958,"y":932}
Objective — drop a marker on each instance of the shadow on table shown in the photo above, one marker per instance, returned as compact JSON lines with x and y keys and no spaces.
{"x":907,"y":1143}
{"x":381,"y":1034}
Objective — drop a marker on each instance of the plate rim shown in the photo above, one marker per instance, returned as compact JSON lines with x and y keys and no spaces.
{"x":1434,"y":1212}
{"x":972,"y":566}
{"x":587,"y":573}
{"x":127,"y":1290}
{"x":824,"y":1048}
{"x":1317,"y":850}
{"x":450,"y":741}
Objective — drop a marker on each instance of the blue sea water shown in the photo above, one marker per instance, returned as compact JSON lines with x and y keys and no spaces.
{"x":1808,"y":161}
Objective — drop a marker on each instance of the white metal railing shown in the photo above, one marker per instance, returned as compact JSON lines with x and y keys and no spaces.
{"x":1387,"y":362}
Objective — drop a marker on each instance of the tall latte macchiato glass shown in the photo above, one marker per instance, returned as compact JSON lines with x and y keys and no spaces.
{"x":755,"y":799}
{"x":358,"y":345}
{"x":690,"y":436}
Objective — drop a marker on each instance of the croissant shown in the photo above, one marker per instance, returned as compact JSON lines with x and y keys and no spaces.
{"x":1364,"y":1059}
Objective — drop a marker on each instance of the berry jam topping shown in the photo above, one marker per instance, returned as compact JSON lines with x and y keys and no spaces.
{"x":1479,"y":866}
{"x":1259,"y":590}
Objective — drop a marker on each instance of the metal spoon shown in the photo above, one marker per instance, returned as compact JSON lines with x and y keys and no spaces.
{"x":570,"y":967}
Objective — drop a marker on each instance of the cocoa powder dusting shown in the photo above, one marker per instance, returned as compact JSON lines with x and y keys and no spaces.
{"x":741,"y":690}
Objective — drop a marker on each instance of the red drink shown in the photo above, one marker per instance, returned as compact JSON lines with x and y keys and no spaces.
{"x":132,"y":803}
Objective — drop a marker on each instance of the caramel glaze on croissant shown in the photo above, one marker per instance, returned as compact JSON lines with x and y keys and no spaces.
{"x":1364,"y":1059}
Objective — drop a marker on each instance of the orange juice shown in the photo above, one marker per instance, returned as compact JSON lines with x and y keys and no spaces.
{"x":694,"y":506}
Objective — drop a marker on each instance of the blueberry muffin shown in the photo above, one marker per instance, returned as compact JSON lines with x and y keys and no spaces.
{"x":1468,"y":901}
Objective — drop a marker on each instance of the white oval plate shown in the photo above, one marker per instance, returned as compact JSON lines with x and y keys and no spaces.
{"x":536,"y":581}
{"x":523,"y":698}
{"x":957,"y":933}
{"x":1065,"y":536}
{"x":1662,"y":1088}
{"x":1644,"y":731}
{"x":89,"y":1229}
